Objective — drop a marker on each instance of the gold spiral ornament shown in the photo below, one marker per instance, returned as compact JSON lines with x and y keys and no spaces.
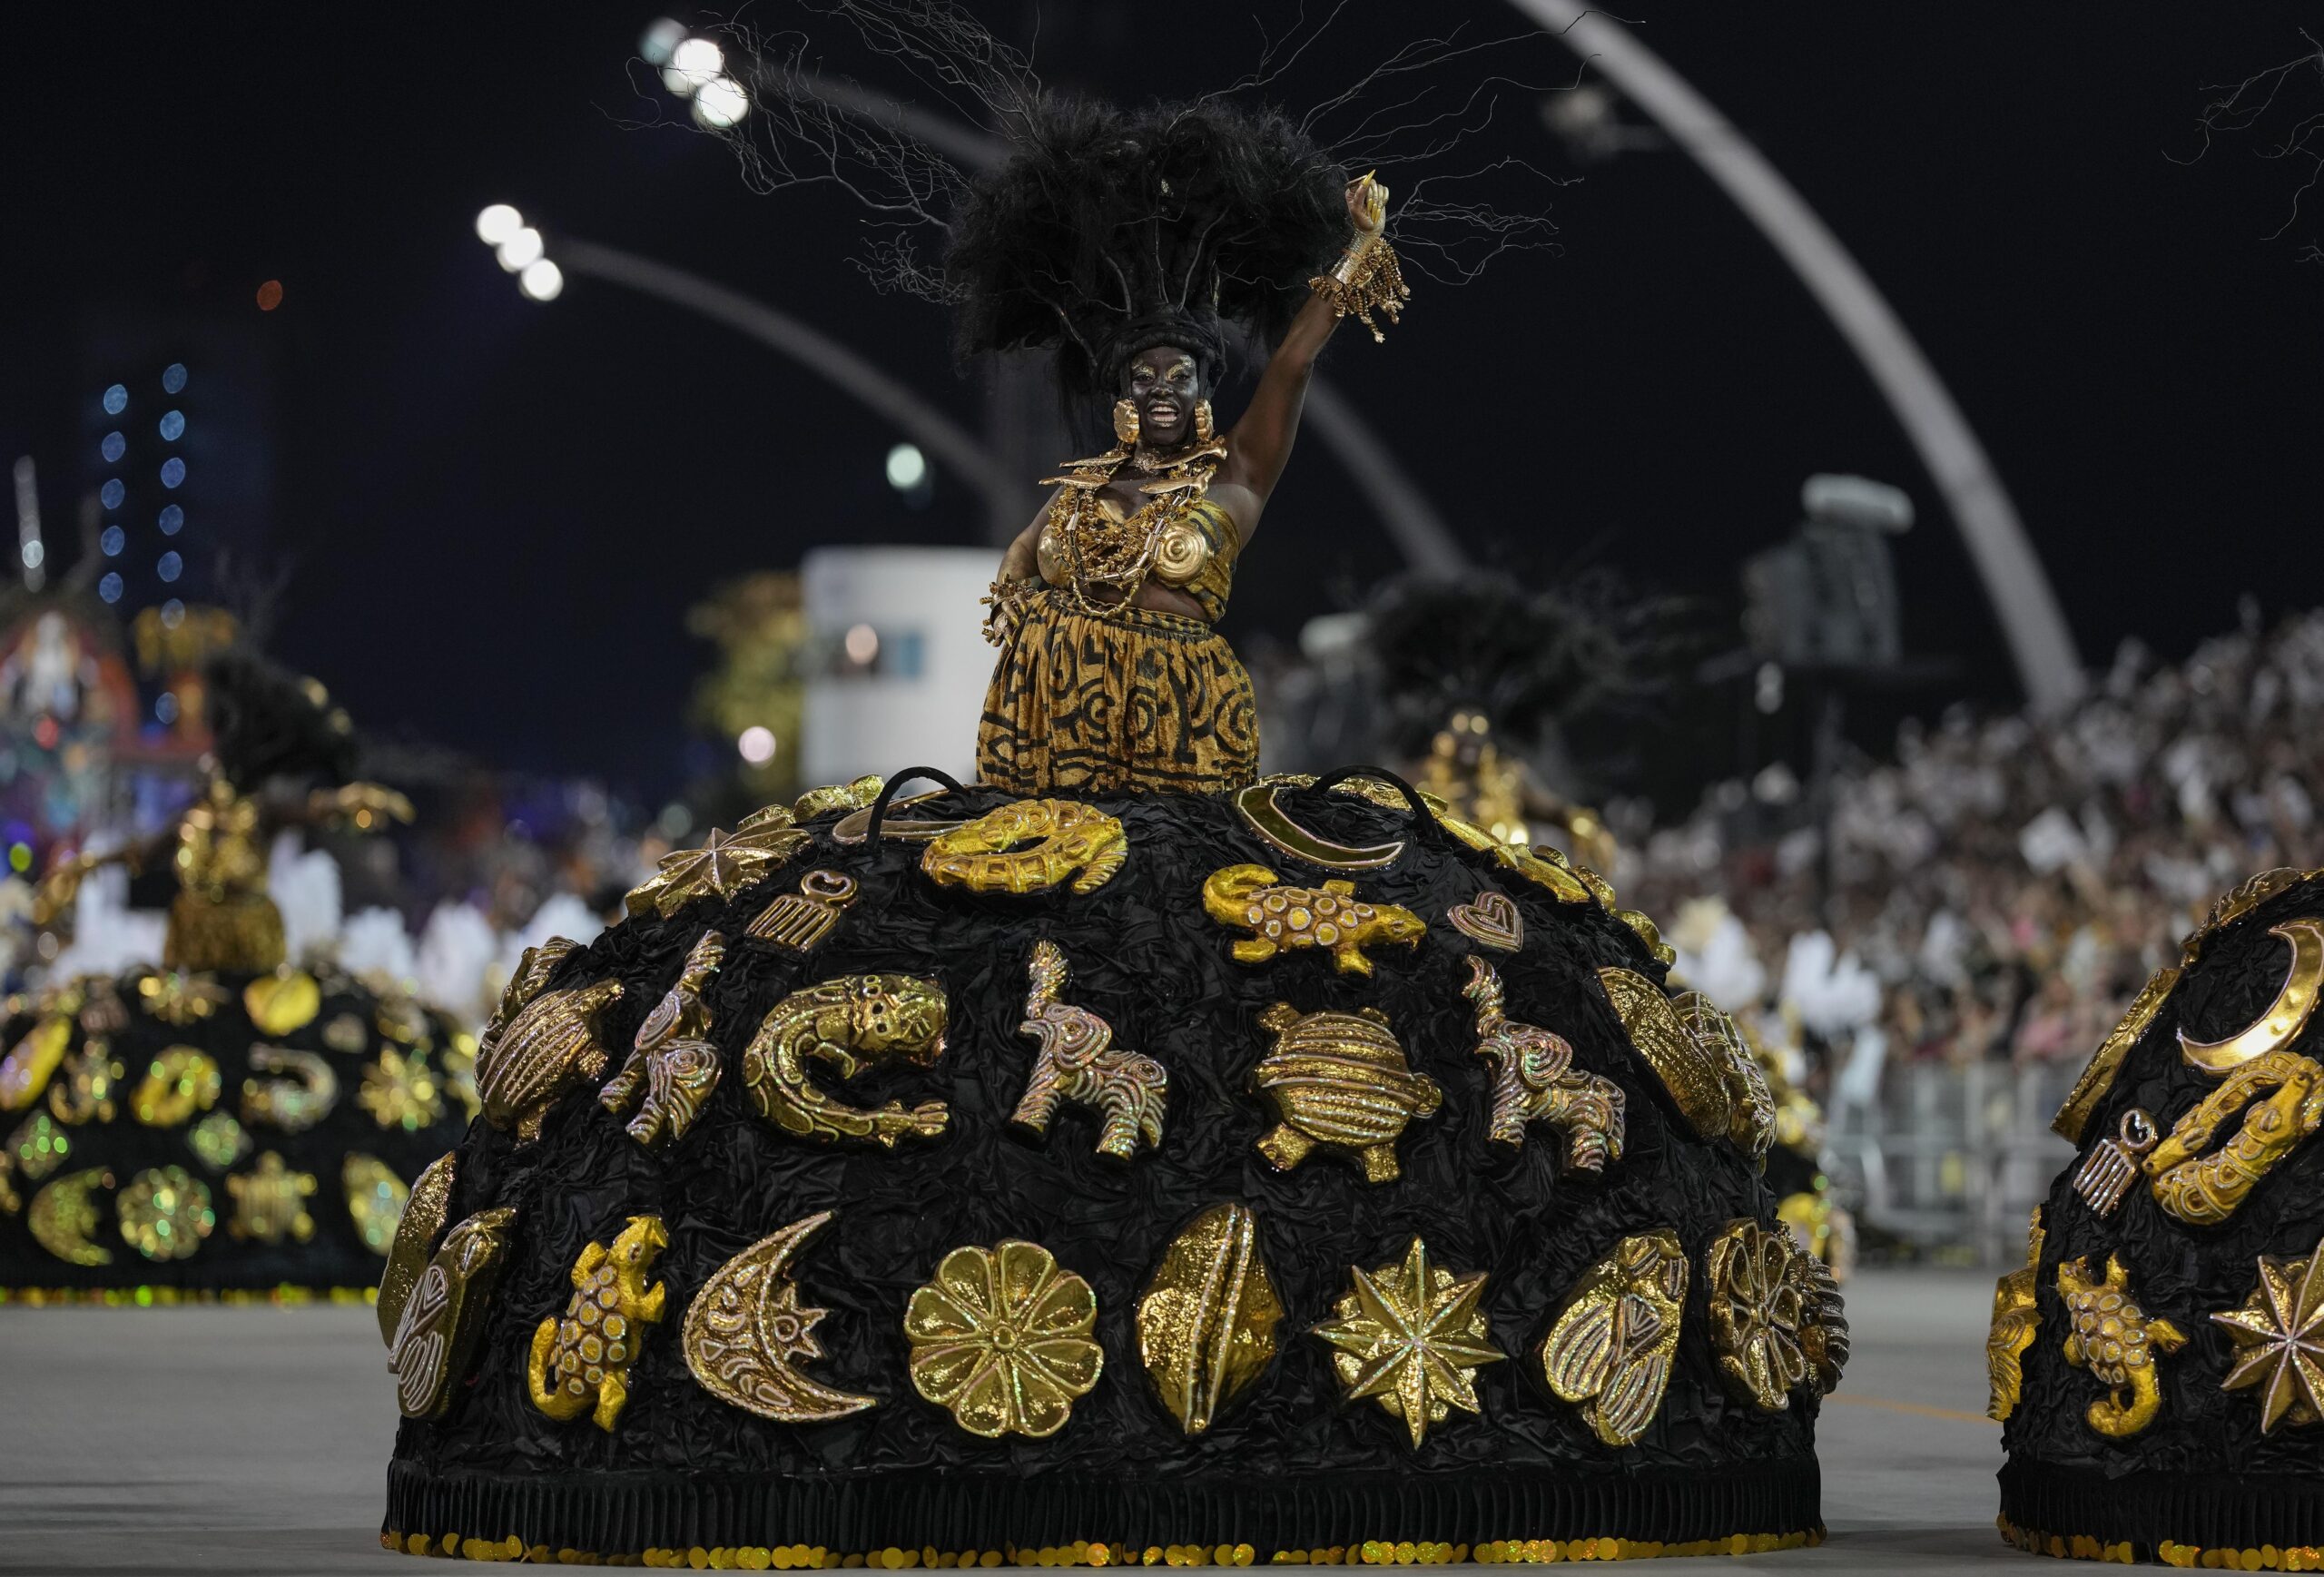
{"x":1180,"y":551}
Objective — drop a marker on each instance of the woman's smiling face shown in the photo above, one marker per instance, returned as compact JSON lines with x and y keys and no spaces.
{"x":1163,"y":383}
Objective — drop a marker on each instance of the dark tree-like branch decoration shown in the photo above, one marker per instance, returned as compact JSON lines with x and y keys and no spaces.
{"x":2281,"y":110}
{"x":909,"y":157}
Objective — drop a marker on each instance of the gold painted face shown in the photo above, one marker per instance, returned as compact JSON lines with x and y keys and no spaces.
{"x":1163,"y":383}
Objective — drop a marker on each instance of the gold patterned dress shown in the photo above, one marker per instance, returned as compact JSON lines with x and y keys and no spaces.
{"x":1094,"y":695}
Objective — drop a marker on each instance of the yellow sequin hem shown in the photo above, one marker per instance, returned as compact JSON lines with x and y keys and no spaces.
{"x":1084,"y":1552}
{"x":172,"y":1296}
{"x":2082,"y":1547}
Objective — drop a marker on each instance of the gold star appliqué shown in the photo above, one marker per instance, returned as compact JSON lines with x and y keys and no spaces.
{"x":1412,"y":1337}
{"x":725,"y":864}
{"x":2279,"y":1337}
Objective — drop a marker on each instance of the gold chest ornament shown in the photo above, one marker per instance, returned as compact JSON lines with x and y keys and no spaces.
{"x":1330,"y":918}
{"x":1088,"y":542}
{"x":580,"y":1363}
{"x":1339,"y":1080}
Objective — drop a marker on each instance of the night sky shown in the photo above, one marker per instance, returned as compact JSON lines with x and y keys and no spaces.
{"x":496,"y":512}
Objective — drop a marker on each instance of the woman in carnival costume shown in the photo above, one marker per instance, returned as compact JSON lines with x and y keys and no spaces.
{"x":1124,"y":1158}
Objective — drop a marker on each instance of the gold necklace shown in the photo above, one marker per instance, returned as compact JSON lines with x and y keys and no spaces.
{"x":1091,"y":547}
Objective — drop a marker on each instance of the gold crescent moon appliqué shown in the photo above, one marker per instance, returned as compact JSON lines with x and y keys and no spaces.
{"x":1260,"y":812}
{"x":2286,"y":1017}
{"x":745,"y":1332}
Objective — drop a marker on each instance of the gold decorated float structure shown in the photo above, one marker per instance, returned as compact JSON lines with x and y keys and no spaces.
{"x":2153,"y":1362}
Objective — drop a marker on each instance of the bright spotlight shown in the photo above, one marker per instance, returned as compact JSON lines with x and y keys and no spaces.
{"x":694,"y":62}
{"x":907,"y":467}
{"x":542,"y":279}
{"x":497,"y":224}
{"x":720,"y":103}
{"x":755,"y":744}
{"x":521,"y":249}
{"x":863,"y":645}
{"x":661,"y":37}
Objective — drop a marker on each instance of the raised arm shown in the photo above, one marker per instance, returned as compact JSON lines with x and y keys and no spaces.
{"x":1259,"y":446}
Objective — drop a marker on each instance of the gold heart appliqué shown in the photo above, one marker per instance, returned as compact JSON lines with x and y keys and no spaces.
{"x":1491,"y":921}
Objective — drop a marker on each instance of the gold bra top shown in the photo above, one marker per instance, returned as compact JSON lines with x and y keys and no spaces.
{"x":1177,"y":536}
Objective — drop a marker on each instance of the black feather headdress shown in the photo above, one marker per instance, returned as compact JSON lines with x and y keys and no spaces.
{"x":1110,"y":230}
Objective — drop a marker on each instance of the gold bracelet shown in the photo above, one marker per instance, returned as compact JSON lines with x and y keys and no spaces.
{"x":1004,"y":606}
{"x":1365,"y":282}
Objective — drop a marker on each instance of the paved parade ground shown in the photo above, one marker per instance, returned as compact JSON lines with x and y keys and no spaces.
{"x":255,"y":1440}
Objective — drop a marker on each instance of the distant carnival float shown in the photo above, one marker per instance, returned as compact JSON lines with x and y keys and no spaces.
{"x":221,"y":1120}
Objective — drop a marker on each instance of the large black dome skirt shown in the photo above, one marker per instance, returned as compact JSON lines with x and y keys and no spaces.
{"x":207,"y":1013}
{"x":1292,"y":1466}
{"x":2202,"y":1474}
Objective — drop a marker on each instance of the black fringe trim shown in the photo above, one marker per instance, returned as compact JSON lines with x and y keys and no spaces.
{"x":2146,"y":1510}
{"x":626,"y":1514}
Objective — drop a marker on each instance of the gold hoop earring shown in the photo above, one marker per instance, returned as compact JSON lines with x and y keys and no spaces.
{"x":1125,"y":421}
{"x":1202,"y":429}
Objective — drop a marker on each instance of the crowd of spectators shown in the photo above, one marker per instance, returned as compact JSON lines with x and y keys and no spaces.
{"x":2001,"y":886}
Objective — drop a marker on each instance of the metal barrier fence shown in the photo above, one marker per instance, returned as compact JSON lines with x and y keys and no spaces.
{"x":1952,"y":1160}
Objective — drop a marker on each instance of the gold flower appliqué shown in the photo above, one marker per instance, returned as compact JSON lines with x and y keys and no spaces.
{"x":1001,"y":1337}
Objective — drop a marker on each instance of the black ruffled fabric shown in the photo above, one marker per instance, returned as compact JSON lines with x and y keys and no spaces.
{"x":1291,"y":1463}
{"x":335,"y":1258}
{"x":2202,"y":1473}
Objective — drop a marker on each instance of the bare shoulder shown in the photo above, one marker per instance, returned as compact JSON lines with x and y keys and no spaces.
{"x":1242,"y":504}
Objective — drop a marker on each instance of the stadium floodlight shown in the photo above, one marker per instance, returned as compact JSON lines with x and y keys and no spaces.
{"x":521,"y":249}
{"x":542,"y":279}
{"x":662,"y":36}
{"x":497,"y":224}
{"x":907,"y":467}
{"x":694,"y":64}
{"x":720,"y":102}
